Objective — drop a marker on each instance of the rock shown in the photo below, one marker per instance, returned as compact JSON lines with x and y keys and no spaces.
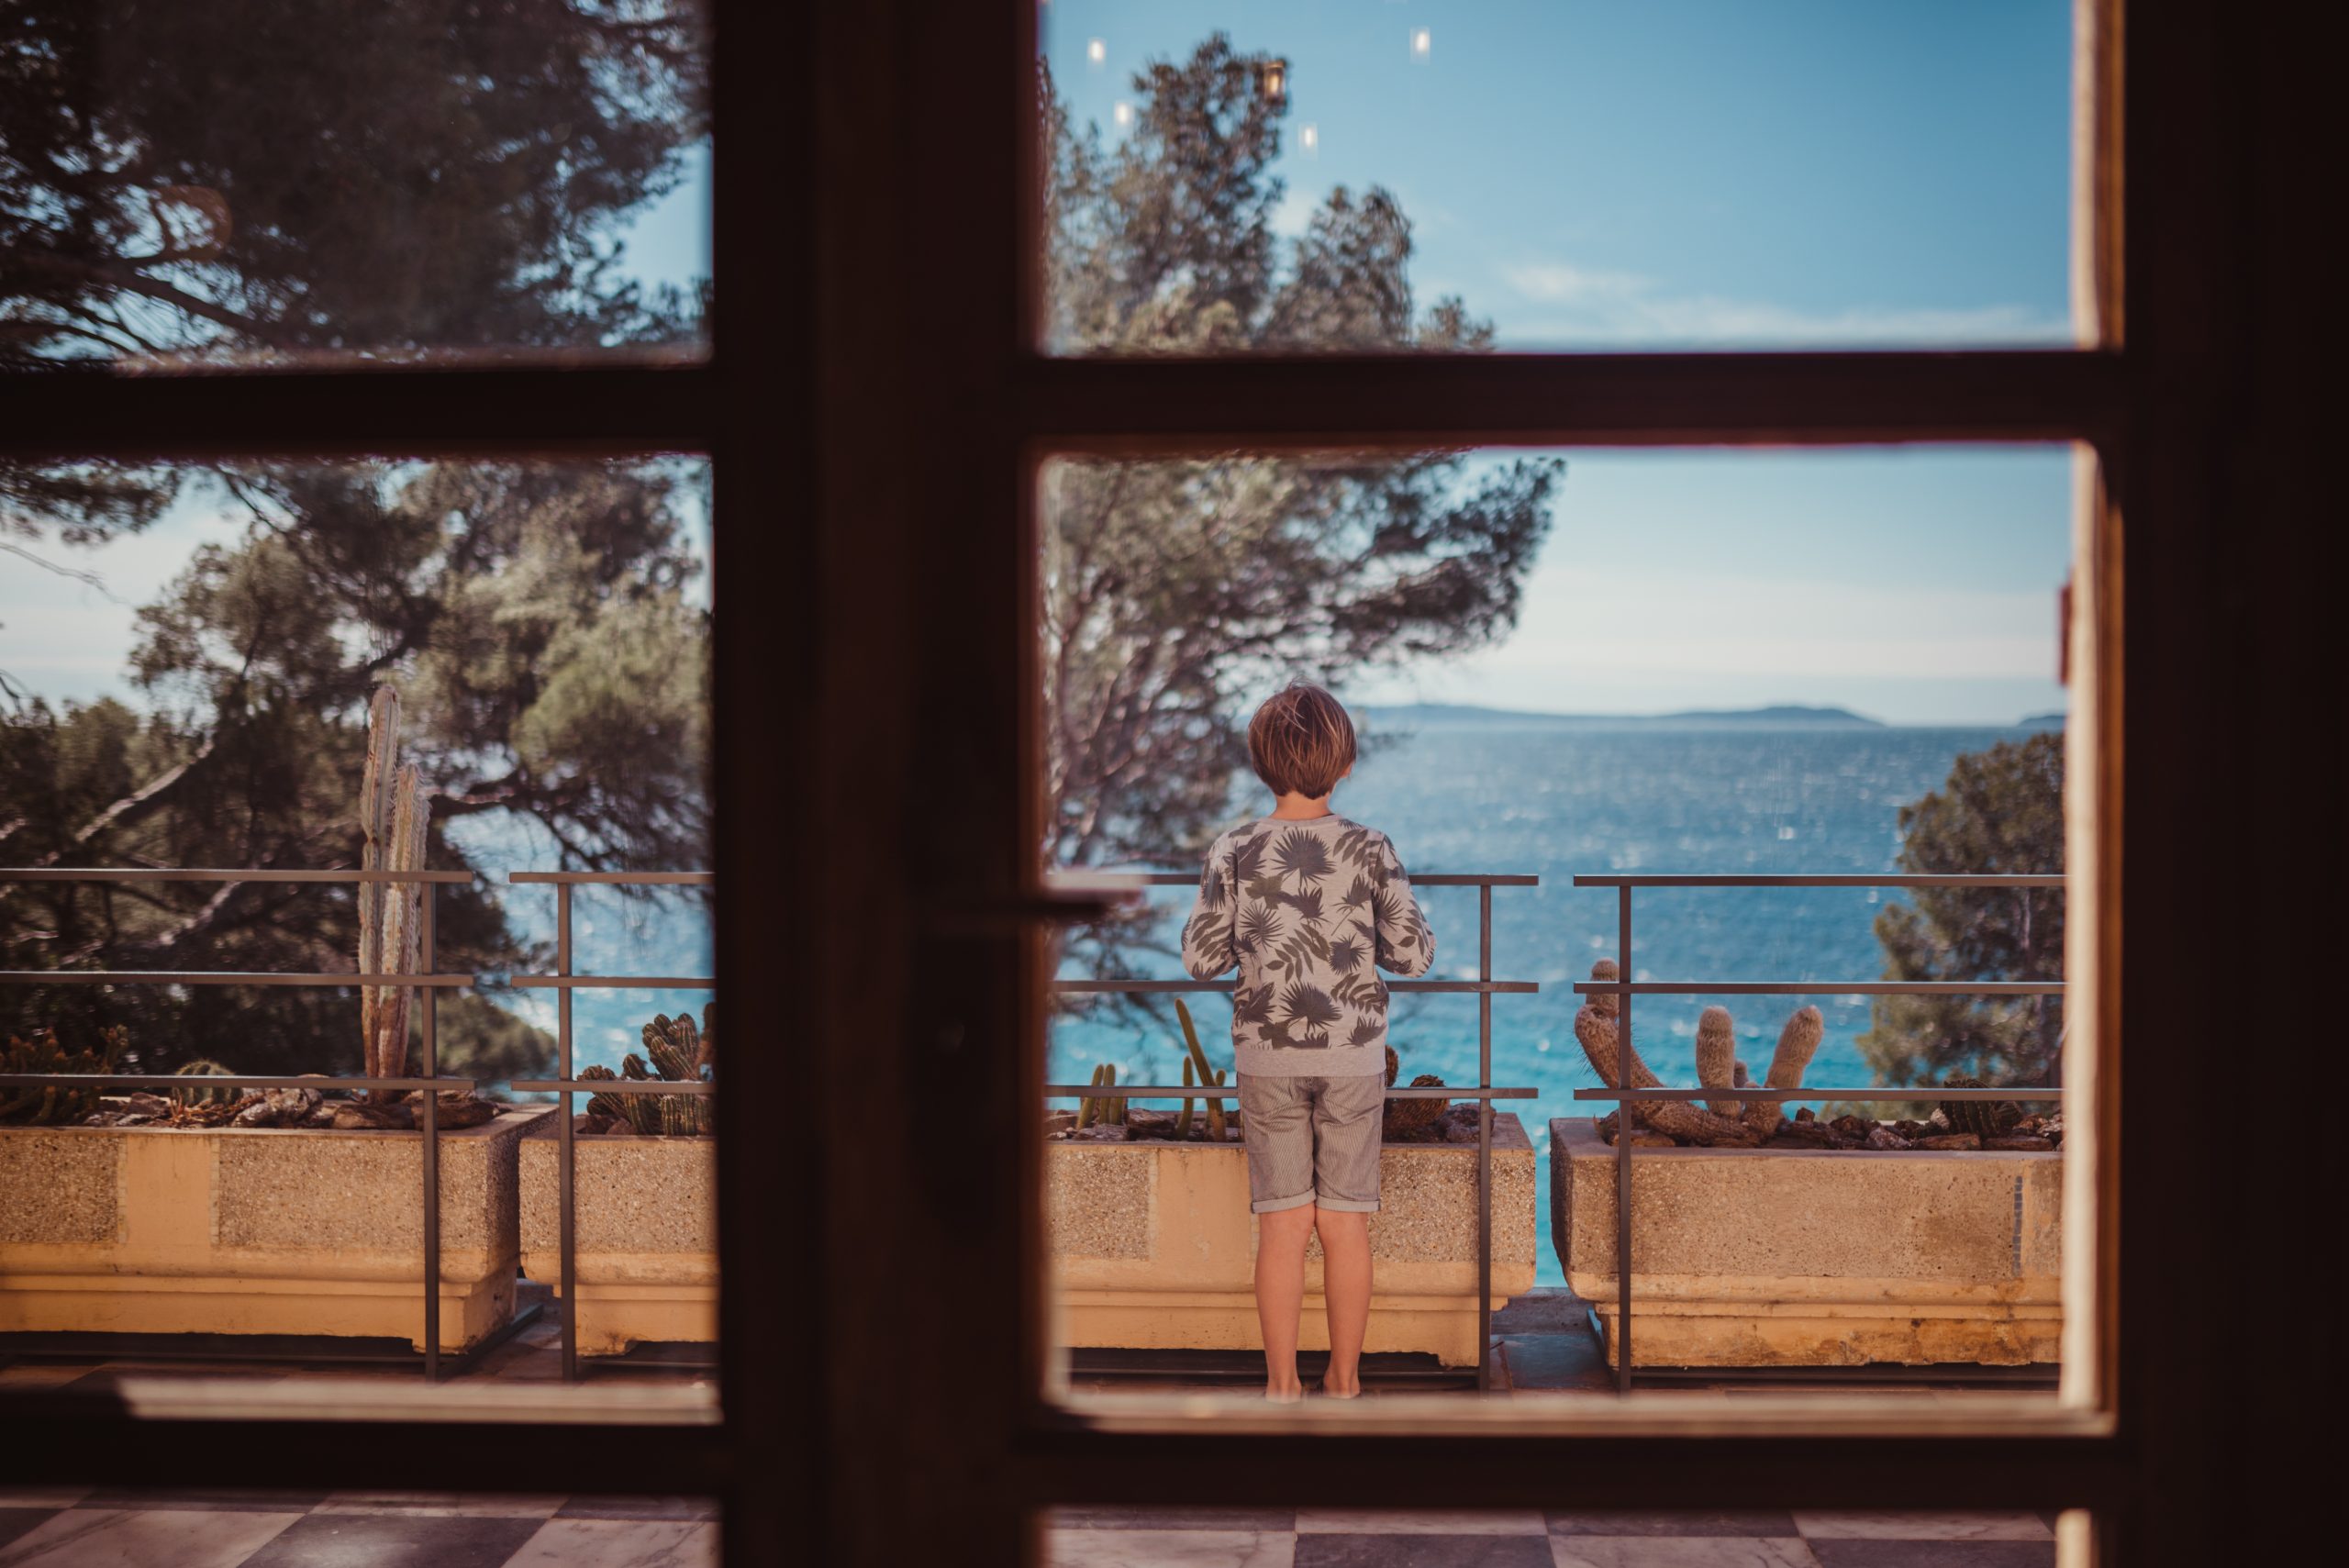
{"x":358,"y":1115}
{"x":1806,"y":1114}
{"x":1883,"y":1137}
{"x":620,"y":1128}
{"x":1139,"y":1120}
{"x":2020,"y":1143}
{"x":591,"y":1123}
{"x":1809,"y":1134}
{"x":278,"y":1107}
{"x":147,"y":1105}
{"x":1853,"y":1127}
{"x":1059,"y":1121}
{"x":1914,"y":1129}
{"x":461,"y":1108}
{"x":1948,"y":1142}
{"x":1108,"y":1132}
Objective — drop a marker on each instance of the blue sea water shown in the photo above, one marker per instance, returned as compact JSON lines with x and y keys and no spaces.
{"x":1553,"y":801}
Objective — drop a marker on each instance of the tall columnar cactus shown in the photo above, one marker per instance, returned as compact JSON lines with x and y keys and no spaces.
{"x":1196,"y":1058}
{"x":1797,"y":1043}
{"x":393,"y":818}
{"x":1717,"y":1057}
{"x":1594,"y":1026}
{"x":51,"y":1104}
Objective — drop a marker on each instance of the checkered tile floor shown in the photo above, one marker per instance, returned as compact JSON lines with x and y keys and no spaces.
{"x":351,"y":1530}
{"x":359,"y":1529}
{"x":1312,"y":1538}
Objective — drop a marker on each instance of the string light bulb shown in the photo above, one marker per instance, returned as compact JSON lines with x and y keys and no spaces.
{"x":1122,"y":114}
{"x":1095,"y":51}
{"x":1422,"y":42}
{"x":1309,"y":138}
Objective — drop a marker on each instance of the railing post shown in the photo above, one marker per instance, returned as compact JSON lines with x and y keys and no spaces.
{"x":1623,"y":1115}
{"x":1484,"y":1140}
{"x":428,"y":1126}
{"x":566,"y":1241}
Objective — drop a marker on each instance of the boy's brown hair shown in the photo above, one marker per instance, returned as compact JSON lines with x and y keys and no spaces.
{"x":1301,"y":743}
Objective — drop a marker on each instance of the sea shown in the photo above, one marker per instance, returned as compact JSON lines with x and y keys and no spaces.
{"x":1481,"y":793}
{"x":1470,"y":791}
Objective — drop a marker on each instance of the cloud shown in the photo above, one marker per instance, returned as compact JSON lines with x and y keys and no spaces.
{"x":1590,"y":306}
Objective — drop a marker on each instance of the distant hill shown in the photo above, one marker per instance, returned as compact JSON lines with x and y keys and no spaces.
{"x":2043,"y":721}
{"x":1781,"y":717}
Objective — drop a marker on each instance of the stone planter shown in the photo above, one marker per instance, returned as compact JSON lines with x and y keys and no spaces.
{"x":646,"y":1225}
{"x":1154,"y":1246}
{"x":159,"y":1230}
{"x":1787,"y":1257}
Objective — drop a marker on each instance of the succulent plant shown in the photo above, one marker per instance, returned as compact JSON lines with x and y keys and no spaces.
{"x":681,"y":1054}
{"x":1717,"y":1057}
{"x":196,"y":1096}
{"x":394,"y":818}
{"x":1984,"y":1118}
{"x":50,"y":1104}
{"x":1797,"y":1043}
{"x":1595,"y":1027}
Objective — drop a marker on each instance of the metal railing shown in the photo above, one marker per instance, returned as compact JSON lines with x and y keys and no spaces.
{"x":1483,"y":988}
{"x":1624,"y":988}
{"x":428,"y":1084}
{"x":566,"y":1083}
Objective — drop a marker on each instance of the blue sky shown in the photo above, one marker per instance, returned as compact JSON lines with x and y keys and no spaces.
{"x":1664,"y":174}
{"x":1668,"y":172}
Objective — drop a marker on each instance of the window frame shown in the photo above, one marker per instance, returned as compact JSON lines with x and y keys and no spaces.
{"x":886,"y":574}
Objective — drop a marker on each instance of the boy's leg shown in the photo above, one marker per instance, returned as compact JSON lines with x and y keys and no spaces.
{"x":1280,"y":1294}
{"x":1345,"y":1282}
{"x":1276,"y":1125}
{"x":1348,"y":1118}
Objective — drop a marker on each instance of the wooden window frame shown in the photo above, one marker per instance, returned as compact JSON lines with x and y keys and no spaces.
{"x":876,"y":411}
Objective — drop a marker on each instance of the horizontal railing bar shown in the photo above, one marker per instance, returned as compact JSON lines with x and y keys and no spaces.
{"x":192,"y":1082}
{"x":611,"y":1085}
{"x":1820,"y":987}
{"x":612,"y":982}
{"x":142,"y":873}
{"x":1138,"y":988}
{"x":618,"y":878}
{"x":1805,"y":1092}
{"x":223,"y":977}
{"x":1418,"y":879}
{"x":1193,"y":1092}
{"x":1888,"y":879}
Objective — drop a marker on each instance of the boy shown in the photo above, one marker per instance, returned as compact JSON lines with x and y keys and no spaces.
{"x":1305,"y":903}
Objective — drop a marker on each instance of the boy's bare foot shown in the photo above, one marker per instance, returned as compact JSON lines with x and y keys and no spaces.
{"x":1329,"y":1390}
{"x":1290,"y":1393}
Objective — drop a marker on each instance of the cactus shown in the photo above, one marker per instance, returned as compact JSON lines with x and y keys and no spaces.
{"x":1984,"y":1118}
{"x":681,"y":1054}
{"x":51,"y":1104}
{"x":193,"y":1095}
{"x":1405,"y":1117}
{"x":1595,"y":1027}
{"x":394,"y":820}
{"x":1182,"y":1116}
{"x":1717,"y":1057}
{"x":1796,"y":1043}
{"x":1194,"y":1055}
{"x":1105,"y":1111}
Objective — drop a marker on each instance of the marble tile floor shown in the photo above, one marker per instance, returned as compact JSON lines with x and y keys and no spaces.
{"x":375,"y":1529}
{"x":351,"y":1530}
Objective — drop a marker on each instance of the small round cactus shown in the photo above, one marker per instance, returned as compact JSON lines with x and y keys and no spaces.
{"x":200,"y":1097}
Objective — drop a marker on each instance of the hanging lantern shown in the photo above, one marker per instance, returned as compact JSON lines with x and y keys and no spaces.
{"x":1272,"y":83}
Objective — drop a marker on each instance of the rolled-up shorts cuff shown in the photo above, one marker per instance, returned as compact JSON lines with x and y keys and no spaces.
{"x":1346,"y":1205}
{"x":1275,"y":1205}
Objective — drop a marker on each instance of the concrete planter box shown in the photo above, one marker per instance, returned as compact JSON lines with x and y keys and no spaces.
{"x":1797,"y":1257}
{"x":1154,"y":1246}
{"x":156,"y":1230}
{"x":647,"y":1235}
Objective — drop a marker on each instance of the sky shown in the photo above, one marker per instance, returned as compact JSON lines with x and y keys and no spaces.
{"x":1673,"y":173}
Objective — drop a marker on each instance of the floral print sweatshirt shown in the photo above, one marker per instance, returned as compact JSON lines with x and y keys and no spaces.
{"x":1310,"y":910}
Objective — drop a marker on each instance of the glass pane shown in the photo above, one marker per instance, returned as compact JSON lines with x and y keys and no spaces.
{"x":1696,"y":174}
{"x":254,"y":1528}
{"x":297,"y":184}
{"x":277,"y":677}
{"x":1739,"y":666}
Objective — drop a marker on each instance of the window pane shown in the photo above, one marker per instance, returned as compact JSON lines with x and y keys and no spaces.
{"x":1726,"y":665}
{"x":295,"y":183}
{"x":215,"y":665}
{"x":1698,"y":174}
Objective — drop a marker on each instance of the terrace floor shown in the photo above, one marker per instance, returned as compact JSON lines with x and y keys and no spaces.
{"x":1545,"y":1349}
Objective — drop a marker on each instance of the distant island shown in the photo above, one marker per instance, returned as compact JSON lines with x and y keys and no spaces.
{"x":2043,"y":721}
{"x":1783,"y":716}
